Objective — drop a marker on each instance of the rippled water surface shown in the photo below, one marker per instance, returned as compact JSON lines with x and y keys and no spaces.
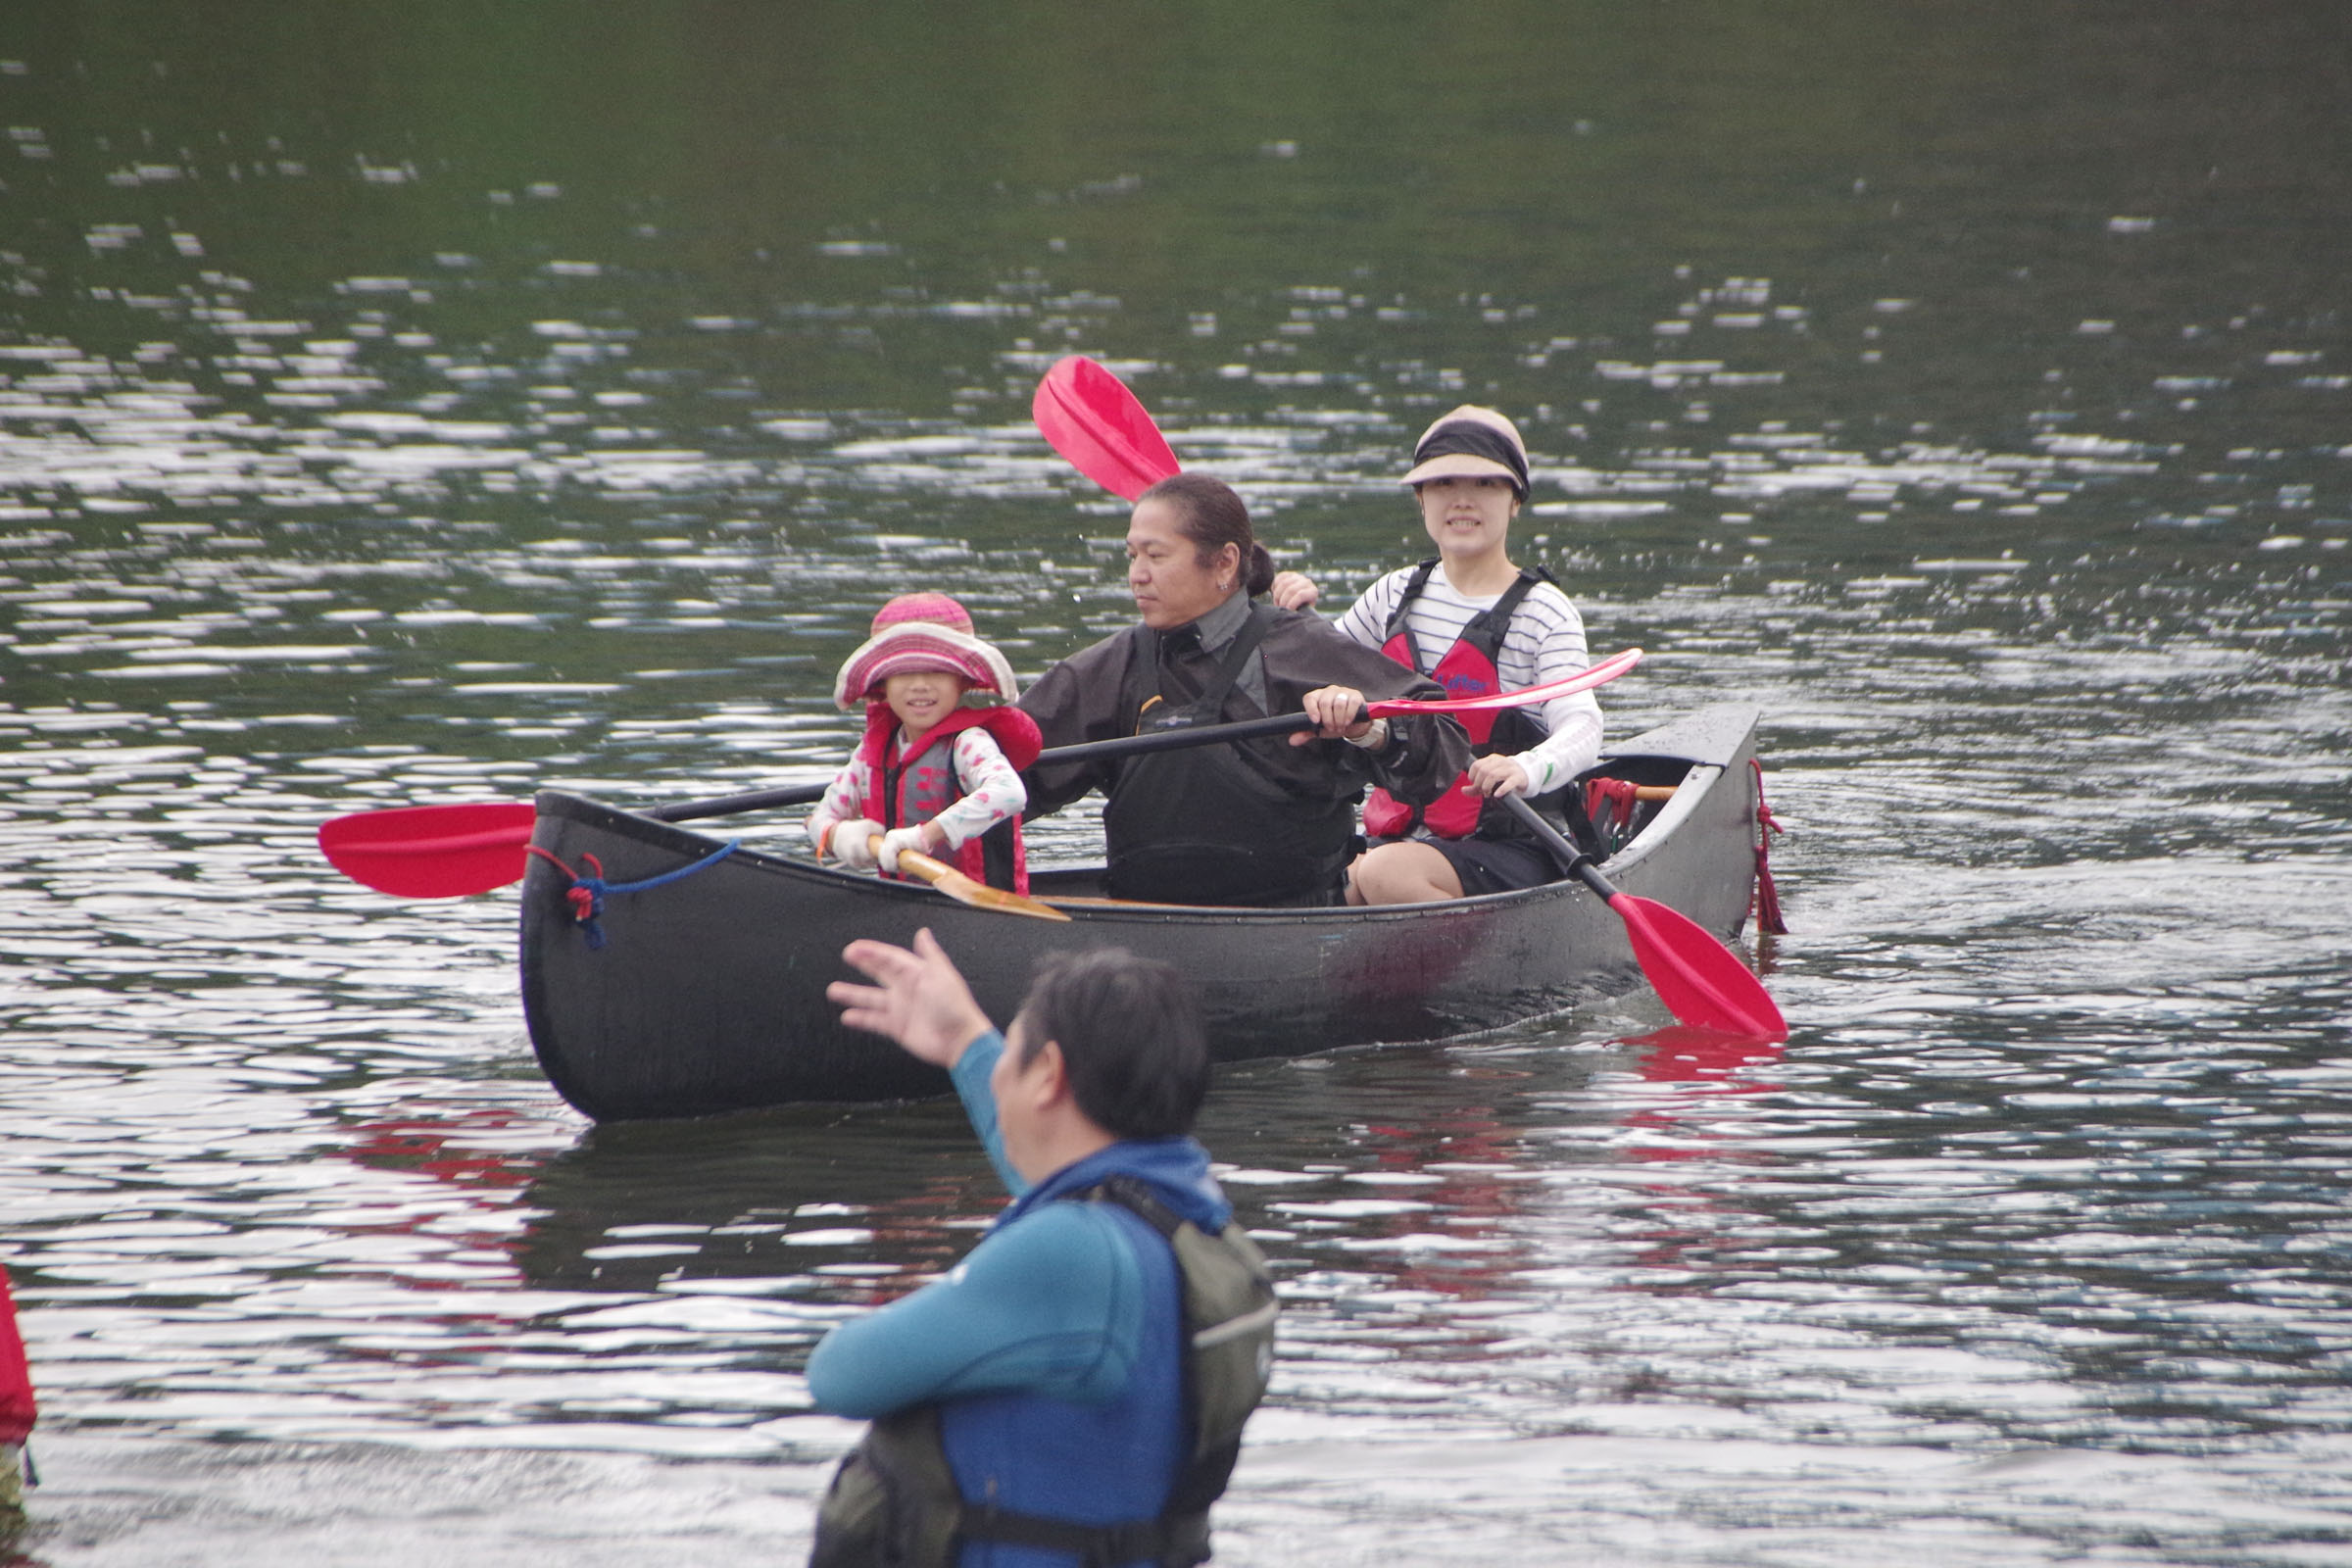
{"x":393,"y":414}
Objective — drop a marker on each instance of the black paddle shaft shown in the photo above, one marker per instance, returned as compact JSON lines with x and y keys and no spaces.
{"x":1162,"y":740}
{"x":1170,"y":740}
{"x":1572,"y":860}
{"x":729,"y":805}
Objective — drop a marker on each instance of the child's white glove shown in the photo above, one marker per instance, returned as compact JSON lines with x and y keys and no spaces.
{"x":897,"y":839}
{"x":851,"y":843}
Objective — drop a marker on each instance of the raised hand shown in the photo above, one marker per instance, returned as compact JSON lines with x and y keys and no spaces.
{"x":918,"y":998}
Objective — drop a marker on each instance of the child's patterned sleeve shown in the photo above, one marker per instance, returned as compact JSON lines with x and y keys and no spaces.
{"x":840,"y":804}
{"x":992,"y":790}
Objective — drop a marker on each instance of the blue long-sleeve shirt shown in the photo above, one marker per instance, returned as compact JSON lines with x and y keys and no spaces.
{"x":1051,"y":1301}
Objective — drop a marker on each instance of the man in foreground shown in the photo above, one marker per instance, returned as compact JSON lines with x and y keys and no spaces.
{"x":1074,"y":1390}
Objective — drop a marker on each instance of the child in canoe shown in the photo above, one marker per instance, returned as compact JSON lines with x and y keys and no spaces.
{"x":939,"y":769}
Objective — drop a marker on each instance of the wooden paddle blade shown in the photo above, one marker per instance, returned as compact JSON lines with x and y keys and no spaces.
{"x":432,"y":851}
{"x":1088,"y":415}
{"x":1702,"y":982}
{"x":965,"y":890}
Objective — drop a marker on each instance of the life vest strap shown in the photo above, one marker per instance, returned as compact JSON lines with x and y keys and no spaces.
{"x":1471,"y":666}
{"x":1209,"y":705}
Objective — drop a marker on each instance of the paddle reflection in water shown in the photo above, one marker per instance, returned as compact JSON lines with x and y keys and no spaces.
{"x":1430,"y":1211}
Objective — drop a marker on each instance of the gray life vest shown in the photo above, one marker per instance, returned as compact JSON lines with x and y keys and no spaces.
{"x":894,"y":1503}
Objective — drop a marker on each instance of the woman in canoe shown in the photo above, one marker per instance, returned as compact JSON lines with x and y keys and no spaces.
{"x":1270,"y":822}
{"x":1476,"y":623}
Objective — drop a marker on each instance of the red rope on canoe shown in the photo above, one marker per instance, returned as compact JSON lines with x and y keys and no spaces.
{"x":583,"y":890}
{"x":1767,"y":907}
{"x":586,"y":894}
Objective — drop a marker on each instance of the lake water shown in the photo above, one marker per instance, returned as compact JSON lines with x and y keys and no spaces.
{"x":421,"y":404}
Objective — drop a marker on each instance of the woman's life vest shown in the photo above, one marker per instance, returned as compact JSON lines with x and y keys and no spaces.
{"x":1216,"y":824}
{"x":1469,"y":669}
{"x":895,"y":1500}
{"x":905,"y":791}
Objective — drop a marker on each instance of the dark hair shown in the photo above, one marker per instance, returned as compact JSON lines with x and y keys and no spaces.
{"x":1131,"y":1039}
{"x":1213,"y":516}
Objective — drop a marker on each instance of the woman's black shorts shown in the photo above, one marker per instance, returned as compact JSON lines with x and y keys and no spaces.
{"x":1493,"y":866}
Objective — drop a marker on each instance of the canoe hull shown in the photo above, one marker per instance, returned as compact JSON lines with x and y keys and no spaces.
{"x":707,"y":992}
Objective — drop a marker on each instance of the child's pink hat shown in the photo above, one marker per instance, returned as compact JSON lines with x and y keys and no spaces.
{"x":922,"y":632}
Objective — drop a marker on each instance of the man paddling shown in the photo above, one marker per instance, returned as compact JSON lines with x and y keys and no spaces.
{"x":1269,"y":823}
{"x":1074,"y":1390}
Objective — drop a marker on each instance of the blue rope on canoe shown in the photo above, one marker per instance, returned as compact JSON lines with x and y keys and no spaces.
{"x":587,"y":893}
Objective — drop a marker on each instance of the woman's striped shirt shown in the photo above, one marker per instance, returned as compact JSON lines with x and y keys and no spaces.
{"x":1546,"y":642}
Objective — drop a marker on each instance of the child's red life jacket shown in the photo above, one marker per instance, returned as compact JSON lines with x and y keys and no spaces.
{"x":905,"y":791}
{"x":1467,"y":669}
{"x":16,"y":1411}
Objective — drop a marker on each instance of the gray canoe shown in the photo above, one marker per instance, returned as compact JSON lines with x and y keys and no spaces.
{"x":707,"y":994}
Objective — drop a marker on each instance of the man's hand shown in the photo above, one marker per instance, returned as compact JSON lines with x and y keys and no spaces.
{"x":918,"y":998}
{"x":1338,"y":713}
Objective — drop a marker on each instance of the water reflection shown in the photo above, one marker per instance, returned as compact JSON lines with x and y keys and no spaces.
{"x":827,"y":1205}
{"x":1966,"y":391}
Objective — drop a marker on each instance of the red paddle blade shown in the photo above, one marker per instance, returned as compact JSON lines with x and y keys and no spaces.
{"x":1702,"y":982}
{"x":1088,"y":415}
{"x":432,"y":851}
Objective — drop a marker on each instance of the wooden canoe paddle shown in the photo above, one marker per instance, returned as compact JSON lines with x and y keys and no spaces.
{"x":965,"y":888}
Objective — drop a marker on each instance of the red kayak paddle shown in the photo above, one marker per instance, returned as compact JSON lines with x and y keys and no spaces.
{"x":1702,"y":982}
{"x":446,"y":852}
